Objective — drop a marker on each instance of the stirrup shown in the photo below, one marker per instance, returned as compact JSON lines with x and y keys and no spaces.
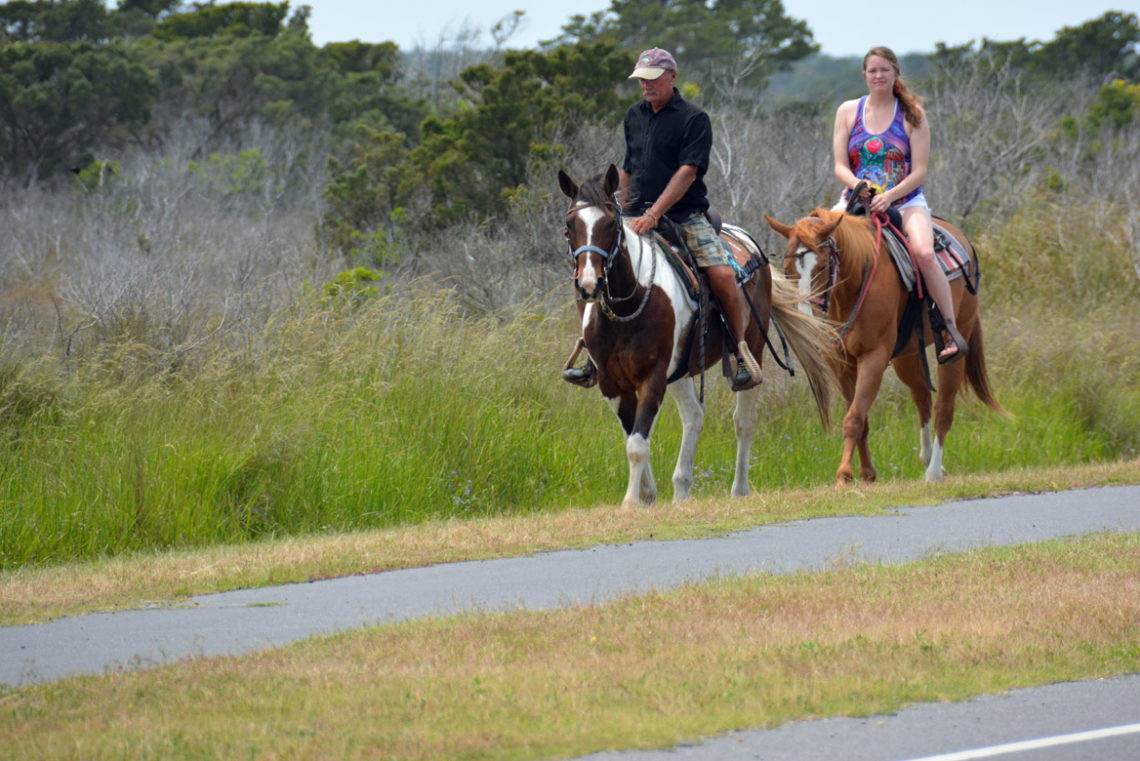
{"x":958,"y":341}
{"x":745,"y":378}
{"x":750,"y":363}
{"x":585,"y":377}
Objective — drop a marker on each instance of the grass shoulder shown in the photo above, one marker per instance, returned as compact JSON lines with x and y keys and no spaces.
{"x":38,"y":594}
{"x":645,"y":671}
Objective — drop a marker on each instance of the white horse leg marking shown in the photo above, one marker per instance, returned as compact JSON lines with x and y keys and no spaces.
{"x":924,"y":443}
{"x":692,"y":421}
{"x":744,"y":419}
{"x":934,"y":470}
{"x":637,"y":450}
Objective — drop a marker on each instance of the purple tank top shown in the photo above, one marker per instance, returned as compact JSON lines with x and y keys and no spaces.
{"x":883,"y":160}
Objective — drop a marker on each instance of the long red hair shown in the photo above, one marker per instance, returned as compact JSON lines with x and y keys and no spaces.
{"x":910,"y":102}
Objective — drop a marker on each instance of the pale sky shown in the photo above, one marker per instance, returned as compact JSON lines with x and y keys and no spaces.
{"x":841,"y":27}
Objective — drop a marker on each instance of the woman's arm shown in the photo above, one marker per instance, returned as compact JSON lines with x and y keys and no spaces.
{"x":841,"y":134}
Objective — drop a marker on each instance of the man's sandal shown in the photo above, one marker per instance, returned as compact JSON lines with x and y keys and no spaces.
{"x":748,"y":373}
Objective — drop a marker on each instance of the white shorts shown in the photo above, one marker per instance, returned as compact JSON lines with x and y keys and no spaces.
{"x":918,"y":200}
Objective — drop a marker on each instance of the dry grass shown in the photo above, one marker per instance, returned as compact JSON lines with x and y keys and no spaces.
{"x":37,"y":594}
{"x":646,"y":671}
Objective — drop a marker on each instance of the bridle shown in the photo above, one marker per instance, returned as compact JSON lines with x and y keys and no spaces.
{"x":607,"y":299}
{"x":823,"y":301}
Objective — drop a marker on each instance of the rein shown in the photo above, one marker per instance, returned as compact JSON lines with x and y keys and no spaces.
{"x":881,"y":221}
{"x":608,"y":258}
{"x":833,"y":279}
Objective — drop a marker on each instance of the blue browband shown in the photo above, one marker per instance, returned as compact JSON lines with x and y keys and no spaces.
{"x":601,"y":251}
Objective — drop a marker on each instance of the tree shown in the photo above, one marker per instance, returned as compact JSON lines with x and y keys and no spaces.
{"x":153,"y":8}
{"x":468,"y":160}
{"x":58,"y":101}
{"x":754,"y":37}
{"x":229,"y":20}
{"x":367,"y":89}
{"x":44,"y":20}
{"x":467,"y":163}
{"x":1103,"y":47}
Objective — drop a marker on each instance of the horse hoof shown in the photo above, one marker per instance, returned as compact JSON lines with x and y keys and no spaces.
{"x":934,"y":476}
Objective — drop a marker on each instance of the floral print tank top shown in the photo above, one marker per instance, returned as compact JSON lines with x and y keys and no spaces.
{"x":883,"y":160}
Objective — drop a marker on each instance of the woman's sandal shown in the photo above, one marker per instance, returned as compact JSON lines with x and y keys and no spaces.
{"x":945,"y":356}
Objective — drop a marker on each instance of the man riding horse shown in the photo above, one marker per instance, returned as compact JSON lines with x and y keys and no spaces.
{"x":668,"y":141}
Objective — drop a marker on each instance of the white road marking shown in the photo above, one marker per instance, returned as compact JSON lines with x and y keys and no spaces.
{"x":1044,"y":742}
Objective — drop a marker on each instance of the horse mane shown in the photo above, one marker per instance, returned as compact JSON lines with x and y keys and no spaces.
{"x":853,"y":236}
{"x":593,"y":191}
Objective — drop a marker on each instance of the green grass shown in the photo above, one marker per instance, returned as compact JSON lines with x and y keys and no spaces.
{"x":406,"y":410}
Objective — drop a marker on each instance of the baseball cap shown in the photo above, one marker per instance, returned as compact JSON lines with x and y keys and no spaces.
{"x":653,"y":63}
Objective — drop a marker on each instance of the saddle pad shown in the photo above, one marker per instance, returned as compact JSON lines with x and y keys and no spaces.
{"x":746,"y":262}
{"x":676,"y":258}
{"x":947,"y":250}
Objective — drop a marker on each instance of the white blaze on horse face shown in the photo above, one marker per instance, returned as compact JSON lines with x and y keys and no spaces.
{"x":589,"y":263}
{"x":807,"y":260}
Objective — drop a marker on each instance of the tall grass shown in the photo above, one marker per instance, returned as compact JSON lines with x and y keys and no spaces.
{"x":405,"y":409}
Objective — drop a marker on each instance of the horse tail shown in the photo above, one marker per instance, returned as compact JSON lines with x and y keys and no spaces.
{"x":976,"y":374}
{"x":813,"y":340}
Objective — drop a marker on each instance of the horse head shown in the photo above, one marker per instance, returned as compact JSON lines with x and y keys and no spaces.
{"x":809,"y":253}
{"x":594,"y":233}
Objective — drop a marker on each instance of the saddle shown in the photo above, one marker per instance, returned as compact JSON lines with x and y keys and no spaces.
{"x":951,"y":256}
{"x":670,"y":234}
{"x":677,"y":253}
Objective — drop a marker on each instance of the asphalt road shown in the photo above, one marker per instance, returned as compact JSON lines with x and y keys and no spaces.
{"x":244,"y":621}
{"x":1073,"y":721}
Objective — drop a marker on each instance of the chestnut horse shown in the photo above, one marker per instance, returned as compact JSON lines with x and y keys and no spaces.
{"x":839,"y":257}
{"x":640,"y":326}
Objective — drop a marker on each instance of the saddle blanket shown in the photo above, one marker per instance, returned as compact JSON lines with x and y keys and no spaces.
{"x":951,"y":254}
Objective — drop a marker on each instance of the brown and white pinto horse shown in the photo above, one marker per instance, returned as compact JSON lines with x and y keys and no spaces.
{"x":869,"y":298}
{"x":637,"y":322}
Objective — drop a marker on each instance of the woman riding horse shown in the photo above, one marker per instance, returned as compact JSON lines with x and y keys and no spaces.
{"x":846,"y":268}
{"x":884,"y":138}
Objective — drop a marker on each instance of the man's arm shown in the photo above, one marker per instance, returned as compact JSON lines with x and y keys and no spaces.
{"x":678,"y":184}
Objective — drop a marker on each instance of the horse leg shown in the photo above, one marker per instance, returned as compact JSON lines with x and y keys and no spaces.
{"x":692,"y":422}
{"x":868,"y":378}
{"x":636,"y":448}
{"x":744,"y":419}
{"x":638,"y":412}
{"x":950,"y":379}
{"x":908,"y":368}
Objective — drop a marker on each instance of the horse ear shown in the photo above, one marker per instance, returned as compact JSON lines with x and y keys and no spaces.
{"x":831,"y":220}
{"x":780,"y":227}
{"x":569,"y":187}
{"x":612,"y":180}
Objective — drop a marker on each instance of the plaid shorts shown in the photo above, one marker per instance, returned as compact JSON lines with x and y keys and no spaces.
{"x":706,"y":246}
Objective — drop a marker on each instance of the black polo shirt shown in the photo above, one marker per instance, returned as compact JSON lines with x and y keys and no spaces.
{"x":658,"y":144}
